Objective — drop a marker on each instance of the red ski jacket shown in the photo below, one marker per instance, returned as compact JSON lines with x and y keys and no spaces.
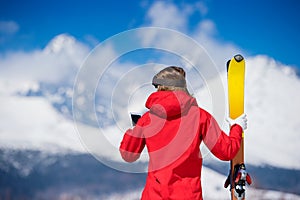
{"x":172,"y":130}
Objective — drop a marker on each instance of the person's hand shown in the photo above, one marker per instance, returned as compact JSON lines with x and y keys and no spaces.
{"x":241,"y":120}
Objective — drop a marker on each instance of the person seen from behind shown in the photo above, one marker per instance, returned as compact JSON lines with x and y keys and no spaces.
{"x":172,"y":130}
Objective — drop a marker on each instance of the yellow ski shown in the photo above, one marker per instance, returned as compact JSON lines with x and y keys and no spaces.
{"x":236,"y":79}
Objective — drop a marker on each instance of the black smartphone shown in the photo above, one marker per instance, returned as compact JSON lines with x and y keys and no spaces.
{"x":134,"y":118}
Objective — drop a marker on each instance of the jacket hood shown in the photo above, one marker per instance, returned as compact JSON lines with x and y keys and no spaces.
{"x":169,"y":104}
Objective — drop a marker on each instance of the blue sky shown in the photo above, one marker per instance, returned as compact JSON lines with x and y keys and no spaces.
{"x":268,"y":27}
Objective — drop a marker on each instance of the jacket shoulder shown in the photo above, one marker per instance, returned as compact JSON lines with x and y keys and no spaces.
{"x":204,"y":114}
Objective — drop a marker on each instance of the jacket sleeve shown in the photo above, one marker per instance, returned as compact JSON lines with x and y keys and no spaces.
{"x":132,"y":144}
{"x":219,"y":143}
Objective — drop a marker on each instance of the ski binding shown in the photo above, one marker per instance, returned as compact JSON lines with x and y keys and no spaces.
{"x":238,"y":183}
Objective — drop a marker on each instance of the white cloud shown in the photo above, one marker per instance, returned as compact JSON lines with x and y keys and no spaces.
{"x":58,"y":62}
{"x":8,"y":27}
{"x":201,"y":7}
{"x":272,"y":103}
{"x":32,"y":123}
{"x":207,"y":27}
{"x":92,"y":40}
{"x":206,"y":35}
{"x":167,"y":15}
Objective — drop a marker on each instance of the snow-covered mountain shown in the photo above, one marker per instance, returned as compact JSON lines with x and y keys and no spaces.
{"x":36,"y":91}
{"x":32,"y":174}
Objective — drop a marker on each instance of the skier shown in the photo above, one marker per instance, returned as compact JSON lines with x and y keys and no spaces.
{"x":172,"y":131}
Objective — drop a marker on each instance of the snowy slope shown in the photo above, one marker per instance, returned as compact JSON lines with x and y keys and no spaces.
{"x":34,"y":175}
{"x":213,"y":190}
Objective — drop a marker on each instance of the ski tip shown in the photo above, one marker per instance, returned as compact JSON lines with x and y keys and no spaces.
{"x":238,"y":57}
